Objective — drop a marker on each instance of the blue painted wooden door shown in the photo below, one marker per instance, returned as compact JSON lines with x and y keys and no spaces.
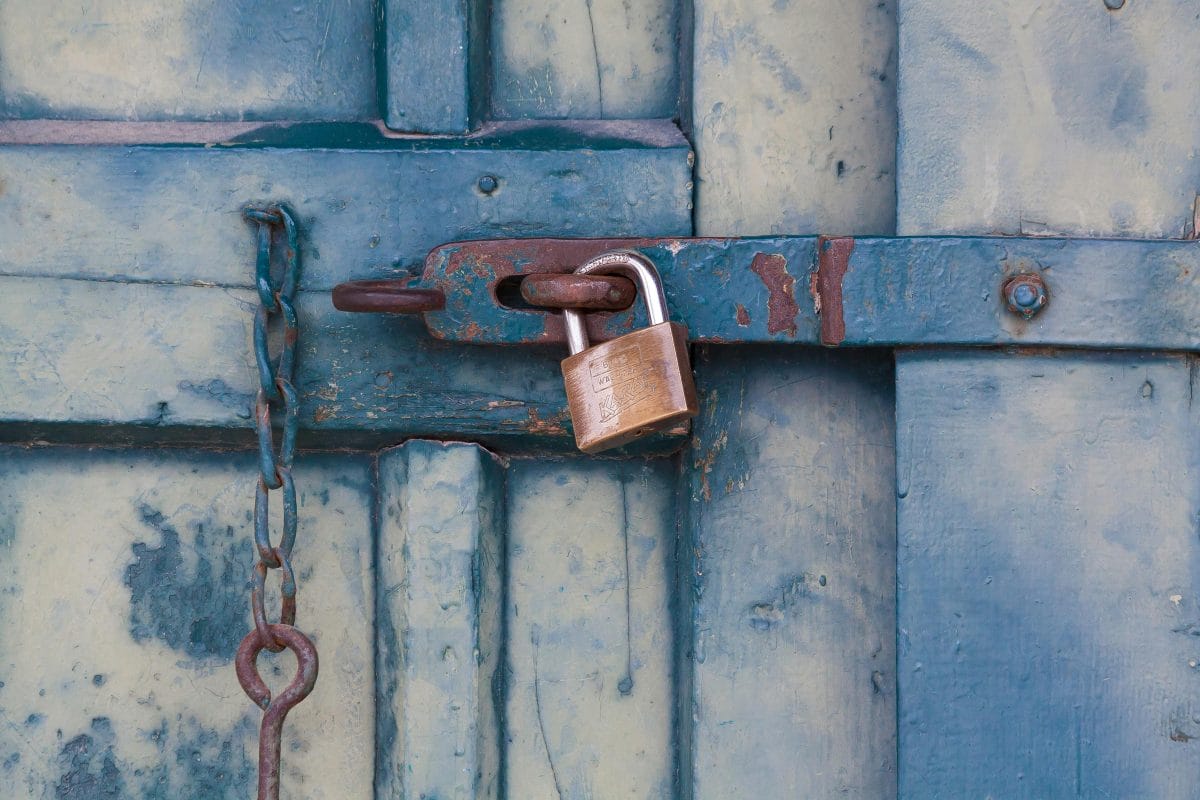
{"x":922,"y":572}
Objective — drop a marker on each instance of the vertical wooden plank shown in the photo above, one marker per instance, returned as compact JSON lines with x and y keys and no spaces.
{"x":789,"y":598}
{"x":434,"y":55}
{"x":787,"y":684}
{"x":794,"y":116}
{"x":122,"y":602}
{"x":1048,"y":557}
{"x":585,"y":59}
{"x":438,"y":639}
{"x":590,"y":641}
{"x":1047,"y":513}
{"x":1042,"y":118}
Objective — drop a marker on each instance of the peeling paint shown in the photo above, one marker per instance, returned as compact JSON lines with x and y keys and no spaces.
{"x":782,"y":309}
{"x":833,"y":261}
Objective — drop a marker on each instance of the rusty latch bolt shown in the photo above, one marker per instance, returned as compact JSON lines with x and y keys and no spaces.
{"x":572,"y":290}
{"x":547,"y":290}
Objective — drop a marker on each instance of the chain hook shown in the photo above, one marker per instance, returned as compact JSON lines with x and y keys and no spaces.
{"x":276,"y":709}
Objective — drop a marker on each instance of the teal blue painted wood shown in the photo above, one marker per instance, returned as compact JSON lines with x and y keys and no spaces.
{"x":787,"y":574}
{"x":122,"y":601}
{"x":368,"y":206}
{"x":149,"y":329}
{"x":585,"y":59}
{"x":1046,"y":579}
{"x":438,"y":626}
{"x":589,"y":680}
{"x":436,"y":57}
{"x":1067,"y":119}
{"x":187,"y":60}
{"x":176,"y":360}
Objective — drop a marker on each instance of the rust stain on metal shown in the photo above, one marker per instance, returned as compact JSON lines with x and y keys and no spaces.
{"x":600,"y":292}
{"x":393,"y":296}
{"x":782,"y":309}
{"x":833,"y":260}
{"x":553,"y":426}
{"x":743,"y":316}
{"x":704,"y":465}
{"x":491,"y":261}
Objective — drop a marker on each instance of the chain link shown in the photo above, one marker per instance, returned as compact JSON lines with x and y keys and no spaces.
{"x":276,"y":397}
{"x":275,"y":393}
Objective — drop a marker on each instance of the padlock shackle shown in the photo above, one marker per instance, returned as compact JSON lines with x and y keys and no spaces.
{"x":632,"y":265}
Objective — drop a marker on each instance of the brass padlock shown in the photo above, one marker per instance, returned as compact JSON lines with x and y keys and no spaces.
{"x":634,"y":384}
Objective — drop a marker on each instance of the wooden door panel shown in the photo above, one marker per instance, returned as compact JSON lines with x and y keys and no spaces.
{"x":585,"y":59}
{"x":124,"y":598}
{"x":439,"y":570}
{"x":187,"y":59}
{"x":1026,"y":119}
{"x":589,"y":677}
{"x":1047,"y":553}
{"x":789,"y":607}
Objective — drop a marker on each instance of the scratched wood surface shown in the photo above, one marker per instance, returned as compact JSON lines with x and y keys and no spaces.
{"x":187,"y":59}
{"x":123,"y":592}
{"x":787,"y":681}
{"x":585,"y":59}
{"x":787,"y":572}
{"x":588,"y":682}
{"x":794,"y":116}
{"x":439,"y":642}
{"x":1035,"y":118}
{"x":1047,"y":507}
{"x":435,"y":55}
{"x":1047,"y":575}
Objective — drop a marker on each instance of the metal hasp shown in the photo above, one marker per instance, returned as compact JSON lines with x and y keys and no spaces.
{"x":840,"y":291}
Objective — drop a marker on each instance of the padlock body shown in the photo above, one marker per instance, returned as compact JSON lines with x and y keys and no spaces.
{"x":627,"y":387}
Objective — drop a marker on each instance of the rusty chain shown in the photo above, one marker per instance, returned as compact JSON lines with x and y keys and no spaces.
{"x":276,"y":393}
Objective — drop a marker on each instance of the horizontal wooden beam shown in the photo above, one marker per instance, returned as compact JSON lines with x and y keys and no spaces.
{"x":125,"y":274}
{"x":368,"y":205}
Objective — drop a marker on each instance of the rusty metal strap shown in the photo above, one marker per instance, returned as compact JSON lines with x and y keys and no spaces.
{"x":838,"y":291}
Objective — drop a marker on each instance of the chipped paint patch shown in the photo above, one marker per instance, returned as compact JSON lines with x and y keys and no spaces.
{"x":199,"y":611}
{"x":772,"y":270}
{"x":833,"y":261}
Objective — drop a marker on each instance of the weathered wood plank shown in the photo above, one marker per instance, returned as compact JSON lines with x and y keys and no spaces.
{"x":166,"y":357}
{"x":1047,"y":566}
{"x":368,"y":206}
{"x":589,"y":678}
{"x":794,"y":116}
{"x":585,"y":59}
{"x":122,"y":601}
{"x":120,"y":347}
{"x":1047,"y":118}
{"x":788,"y":685}
{"x":436,"y":58}
{"x":438,"y":629}
{"x":186,"y":59}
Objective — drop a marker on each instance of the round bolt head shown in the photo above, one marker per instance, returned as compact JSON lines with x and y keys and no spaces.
{"x":488,"y":184}
{"x":1026,"y":295}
